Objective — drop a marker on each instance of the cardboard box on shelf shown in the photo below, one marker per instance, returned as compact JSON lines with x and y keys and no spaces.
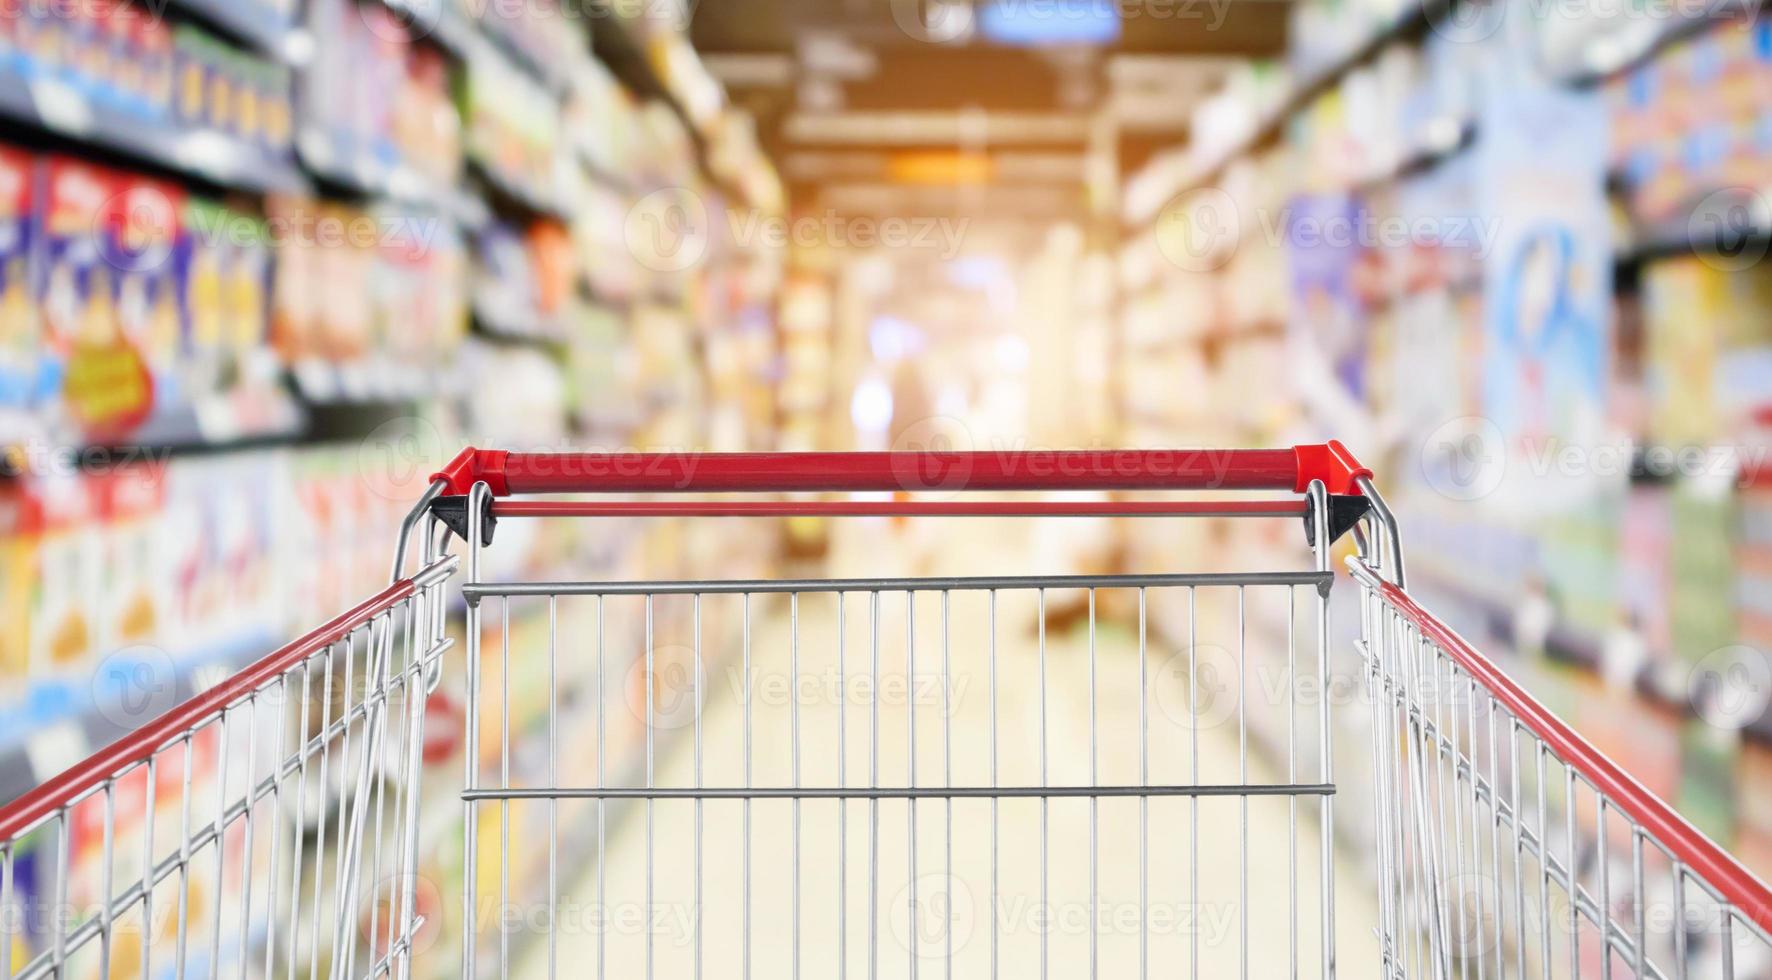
{"x":20,"y":221}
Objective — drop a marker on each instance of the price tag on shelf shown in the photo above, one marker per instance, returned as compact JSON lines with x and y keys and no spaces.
{"x":62,"y":107}
{"x":210,"y":153}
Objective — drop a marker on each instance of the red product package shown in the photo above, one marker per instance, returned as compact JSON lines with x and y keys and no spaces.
{"x":132,"y":500}
{"x":107,"y":385}
{"x":74,"y":269}
{"x":143,"y":233}
{"x":20,"y":344}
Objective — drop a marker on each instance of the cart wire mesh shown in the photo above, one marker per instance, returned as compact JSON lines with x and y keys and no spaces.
{"x":262,"y":828}
{"x":1509,"y":847}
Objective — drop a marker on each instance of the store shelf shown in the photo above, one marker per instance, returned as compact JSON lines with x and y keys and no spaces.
{"x":1571,"y":646}
{"x":62,"y":714}
{"x":1718,"y":235}
{"x":59,"y":109}
{"x":598,"y":173}
{"x":253,"y":23}
{"x":1681,"y":23}
{"x":437,"y":22}
{"x":588,"y":292}
{"x":335,"y":159}
{"x":1427,"y":152}
{"x":364,"y":383}
{"x":617,"y":49}
{"x":518,"y":193}
{"x":509,"y":329}
{"x":1411,"y":23}
{"x":554,"y":78}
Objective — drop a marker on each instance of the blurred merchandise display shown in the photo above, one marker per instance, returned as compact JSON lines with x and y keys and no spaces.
{"x":1692,"y":121}
{"x":125,"y":57}
{"x":601,"y":120}
{"x":542,"y":35}
{"x":218,"y":397}
{"x":133,"y":306}
{"x":221,"y":88}
{"x":381,"y":290}
{"x":1325,"y":32}
{"x":1573,"y":419}
{"x":176,"y":559}
{"x":526,"y":279}
{"x":513,"y":127}
{"x":376,"y":99}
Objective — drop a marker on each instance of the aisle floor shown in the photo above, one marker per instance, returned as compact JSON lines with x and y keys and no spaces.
{"x":1227,"y":886}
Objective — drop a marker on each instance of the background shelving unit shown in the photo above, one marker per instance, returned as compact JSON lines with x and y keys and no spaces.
{"x":1615,"y":609}
{"x":407,"y":207}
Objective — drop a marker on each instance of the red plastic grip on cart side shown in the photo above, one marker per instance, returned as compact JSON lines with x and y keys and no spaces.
{"x":472,"y":466}
{"x":1333,"y":464}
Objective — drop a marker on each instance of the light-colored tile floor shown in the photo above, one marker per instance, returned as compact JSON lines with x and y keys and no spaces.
{"x":1017,"y":888}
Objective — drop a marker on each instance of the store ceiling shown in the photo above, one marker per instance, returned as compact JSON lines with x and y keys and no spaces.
{"x":873,"y":76}
{"x":1243,"y":28}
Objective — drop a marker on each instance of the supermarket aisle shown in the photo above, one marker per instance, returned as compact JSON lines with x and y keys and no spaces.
{"x":830,"y":885}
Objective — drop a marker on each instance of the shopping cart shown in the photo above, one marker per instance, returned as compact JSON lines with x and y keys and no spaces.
{"x":1173,"y":754}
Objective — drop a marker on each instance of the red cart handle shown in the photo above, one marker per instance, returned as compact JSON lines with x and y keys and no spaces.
{"x":506,"y":473}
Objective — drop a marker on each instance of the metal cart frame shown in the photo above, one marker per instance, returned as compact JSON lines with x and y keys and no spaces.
{"x":1505,"y":844}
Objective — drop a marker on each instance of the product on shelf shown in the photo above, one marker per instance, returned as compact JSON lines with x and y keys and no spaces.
{"x":539,"y":33}
{"x":605,"y":399}
{"x":106,"y":382}
{"x":222,"y":88}
{"x":356,"y":286}
{"x":550,"y":249}
{"x":602,"y":122}
{"x":506,"y":296}
{"x":20,"y":224}
{"x":126,"y":57}
{"x":599,"y":232}
{"x":1689,"y":121}
{"x":226,"y":281}
{"x":64,"y":615}
{"x":1709,"y":351}
{"x":372,"y":94}
{"x":513,"y":125}
{"x":147,"y":309}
